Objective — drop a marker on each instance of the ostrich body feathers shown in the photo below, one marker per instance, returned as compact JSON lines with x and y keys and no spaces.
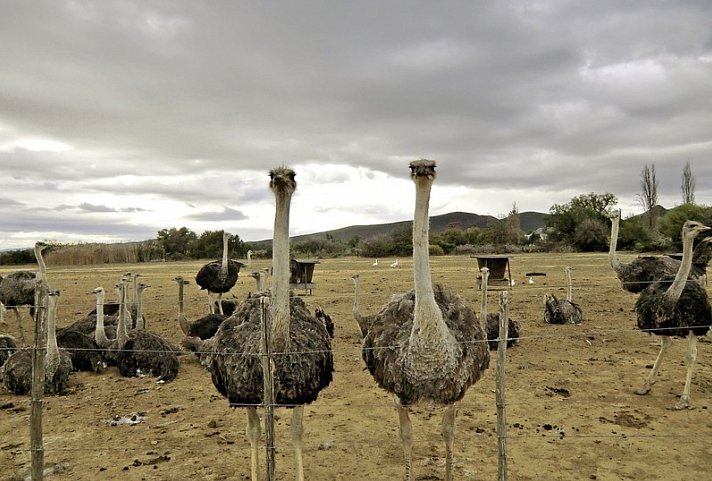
{"x":561,"y":311}
{"x":659,"y":315}
{"x":211,"y":278}
{"x":146,"y":353}
{"x":17,"y":374}
{"x":493,"y":331}
{"x":388,"y":336}
{"x":236,"y":366}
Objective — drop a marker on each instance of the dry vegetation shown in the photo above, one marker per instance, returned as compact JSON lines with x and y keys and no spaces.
{"x":571,"y":411}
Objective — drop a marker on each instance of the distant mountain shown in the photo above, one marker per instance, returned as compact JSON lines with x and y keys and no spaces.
{"x":529,"y":221}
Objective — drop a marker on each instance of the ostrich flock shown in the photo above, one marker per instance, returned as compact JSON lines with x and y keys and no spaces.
{"x":424,"y":346}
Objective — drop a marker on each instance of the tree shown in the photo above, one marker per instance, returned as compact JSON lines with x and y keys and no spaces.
{"x":688,"y":185}
{"x":649,"y":196}
{"x":564,"y":219}
{"x":591,"y":235}
{"x":176,"y":242}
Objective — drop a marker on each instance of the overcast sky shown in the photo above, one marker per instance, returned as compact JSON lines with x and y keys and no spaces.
{"x":121,"y":118}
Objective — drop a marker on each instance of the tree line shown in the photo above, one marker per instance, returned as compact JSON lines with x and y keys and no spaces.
{"x":582,"y":224}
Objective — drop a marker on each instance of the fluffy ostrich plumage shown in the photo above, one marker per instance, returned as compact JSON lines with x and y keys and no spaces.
{"x":8,"y":345}
{"x":677,"y":308}
{"x":140,"y":352}
{"x":210,"y":279}
{"x":386,"y":343}
{"x":85,"y":353}
{"x":17,"y":373}
{"x":642,"y":271}
{"x":561,"y":311}
{"x":228,"y":306}
{"x":18,"y":289}
{"x":204,"y":327}
{"x":493,"y":331}
{"x":300,"y":374}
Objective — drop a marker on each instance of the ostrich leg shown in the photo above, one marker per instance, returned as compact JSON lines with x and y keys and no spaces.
{"x":406,"y":434}
{"x":297,"y":429}
{"x":449,"y":435}
{"x":219,"y":301}
{"x":684,"y":402}
{"x":665,"y":343}
{"x":253,"y":434}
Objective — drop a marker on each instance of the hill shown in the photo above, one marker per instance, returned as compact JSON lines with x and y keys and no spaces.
{"x":529,"y":222}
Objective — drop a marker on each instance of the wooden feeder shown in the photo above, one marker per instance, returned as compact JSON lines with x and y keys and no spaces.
{"x":301,"y":273}
{"x":499,"y":273}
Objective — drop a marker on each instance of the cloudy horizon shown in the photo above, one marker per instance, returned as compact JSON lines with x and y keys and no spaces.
{"x":122,"y":118}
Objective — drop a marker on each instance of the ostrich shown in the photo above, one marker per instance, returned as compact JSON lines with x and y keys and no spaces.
{"x":395,"y":263}
{"x":639,"y":273}
{"x":425,"y":345}
{"x":140,"y":352}
{"x":304,"y":363}
{"x":103,"y":335}
{"x":17,"y":375}
{"x":205,"y":327}
{"x":680,"y":308}
{"x":18,"y":289}
{"x":562,"y":311}
{"x":218,"y":277}
{"x":375,"y":263}
{"x":82,"y":348}
{"x":492,"y":320}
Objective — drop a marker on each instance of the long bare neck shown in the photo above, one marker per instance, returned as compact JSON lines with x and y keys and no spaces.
{"x":42,"y":275}
{"x":279,"y":307}
{"x":223,"y":264}
{"x":569,"y":285}
{"x":139,"y":308}
{"x":122,"y":334}
{"x":612,"y":256}
{"x":426,"y":309}
{"x":483,"y":301}
{"x":100,"y":332}
{"x":678,"y":285}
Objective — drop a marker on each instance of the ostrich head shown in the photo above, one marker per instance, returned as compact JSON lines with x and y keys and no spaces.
{"x":282,"y":180}
{"x":422,"y":168}
{"x":691,"y":228}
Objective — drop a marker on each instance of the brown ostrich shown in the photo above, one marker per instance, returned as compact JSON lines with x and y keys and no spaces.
{"x":139,"y":352}
{"x":303,"y":361}
{"x":676,"y":307}
{"x":425,"y":345}
{"x":491,"y":320}
{"x":563,"y":311}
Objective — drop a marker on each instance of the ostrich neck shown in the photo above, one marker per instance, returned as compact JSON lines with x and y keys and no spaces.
{"x":121,"y":329}
{"x":678,"y":285}
{"x":52,"y":348}
{"x":223,"y":264}
{"x":279,"y":307}
{"x":569,"y":287}
{"x":426,"y":309}
{"x":42,"y":275}
{"x":100,"y":331}
{"x":483,"y":300}
{"x":357,"y":299}
{"x":182,"y":320}
{"x":612,"y":257}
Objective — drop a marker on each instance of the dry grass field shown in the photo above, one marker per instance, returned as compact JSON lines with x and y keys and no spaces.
{"x":570,"y":407}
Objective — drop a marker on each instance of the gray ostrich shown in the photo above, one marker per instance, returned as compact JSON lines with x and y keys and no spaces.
{"x":643,"y":270}
{"x":204,"y":327}
{"x":303,"y":362}
{"x":140,"y":352}
{"x":17,"y":375}
{"x":218,"y":277}
{"x":16,"y":290}
{"x":425,"y":345}
{"x":563,"y":311}
{"x":676,"y":308}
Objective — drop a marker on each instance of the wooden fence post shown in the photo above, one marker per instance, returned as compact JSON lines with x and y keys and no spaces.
{"x":501,"y":405}
{"x":38,"y":380}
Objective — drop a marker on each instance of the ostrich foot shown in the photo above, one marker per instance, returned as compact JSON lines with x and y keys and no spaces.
{"x":643,"y":390}
{"x":683,"y":403}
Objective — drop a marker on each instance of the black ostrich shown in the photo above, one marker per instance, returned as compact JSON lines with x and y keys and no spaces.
{"x":17,"y":373}
{"x":218,"y":277}
{"x":85,"y":353}
{"x":563,"y":311}
{"x":676,"y":307}
{"x":139,"y":352}
{"x":8,"y":344}
{"x":16,"y":290}
{"x":426,"y":345}
{"x":303,"y":359}
{"x":204,"y":327}
{"x":643,"y":270}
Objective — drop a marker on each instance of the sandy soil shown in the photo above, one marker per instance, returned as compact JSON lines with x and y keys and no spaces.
{"x":570,"y":408}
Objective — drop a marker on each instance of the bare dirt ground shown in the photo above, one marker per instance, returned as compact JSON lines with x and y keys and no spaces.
{"x":571,"y":411}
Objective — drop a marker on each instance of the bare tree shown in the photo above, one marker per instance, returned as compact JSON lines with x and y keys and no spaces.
{"x":649,"y":197}
{"x":688,"y":185}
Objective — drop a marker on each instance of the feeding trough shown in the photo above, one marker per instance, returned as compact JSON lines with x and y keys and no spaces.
{"x":499,"y":273}
{"x":301,"y":273}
